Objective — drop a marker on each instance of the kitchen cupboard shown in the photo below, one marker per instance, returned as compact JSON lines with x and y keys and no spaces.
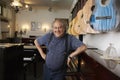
{"x":11,"y":62}
{"x":91,"y":69}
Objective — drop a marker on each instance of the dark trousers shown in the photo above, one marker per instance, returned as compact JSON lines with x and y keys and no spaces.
{"x":53,"y":75}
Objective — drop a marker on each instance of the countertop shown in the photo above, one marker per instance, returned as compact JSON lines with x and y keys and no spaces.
{"x":3,"y":45}
{"x":31,"y":47}
{"x":112,"y":65}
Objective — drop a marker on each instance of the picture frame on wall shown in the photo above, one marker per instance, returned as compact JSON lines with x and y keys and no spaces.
{"x":35,"y":26}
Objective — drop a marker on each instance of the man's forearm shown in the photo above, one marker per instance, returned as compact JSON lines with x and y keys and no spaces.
{"x":78,"y":51}
{"x":43,"y":55}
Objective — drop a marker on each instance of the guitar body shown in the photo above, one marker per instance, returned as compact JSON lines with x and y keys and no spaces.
{"x":104,"y":15}
{"x":82,"y":26}
{"x":72,"y":28}
{"x":69,"y":28}
{"x":71,"y":25}
{"x":79,"y":26}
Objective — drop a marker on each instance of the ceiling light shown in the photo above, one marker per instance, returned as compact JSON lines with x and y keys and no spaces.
{"x":26,"y":6}
{"x":16,"y":3}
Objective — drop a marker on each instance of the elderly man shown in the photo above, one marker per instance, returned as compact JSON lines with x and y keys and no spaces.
{"x":57,"y":56}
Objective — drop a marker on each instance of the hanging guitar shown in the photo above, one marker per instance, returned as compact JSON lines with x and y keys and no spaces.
{"x":104,"y":15}
{"x":82,"y":26}
{"x":69,"y":28}
{"x":71,"y":25}
{"x":78,"y":27}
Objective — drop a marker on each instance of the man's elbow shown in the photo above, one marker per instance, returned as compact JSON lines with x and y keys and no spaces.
{"x":35,"y":42}
{"x":84,"y":47}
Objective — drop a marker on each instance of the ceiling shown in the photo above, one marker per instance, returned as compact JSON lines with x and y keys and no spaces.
{"x":63,"y":4}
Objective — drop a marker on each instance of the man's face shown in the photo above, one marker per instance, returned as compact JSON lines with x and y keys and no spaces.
{"x":58,"y":29}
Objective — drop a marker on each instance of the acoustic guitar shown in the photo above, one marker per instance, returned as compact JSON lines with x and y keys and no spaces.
{"x":69,"y":28}
{"x":71,"y":25}
{"x":82,"y":26}
{"x":105,"y":15}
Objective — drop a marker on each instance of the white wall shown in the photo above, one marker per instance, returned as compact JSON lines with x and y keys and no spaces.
{"x":101,"y":41}
{"x":39,"y":15}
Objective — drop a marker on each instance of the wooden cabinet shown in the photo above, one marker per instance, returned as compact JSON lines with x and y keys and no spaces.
{"x":11,"y":62}
{"x":92,"y":70}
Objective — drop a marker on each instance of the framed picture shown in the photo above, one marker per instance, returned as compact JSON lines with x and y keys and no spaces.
{"x":35,"y":26}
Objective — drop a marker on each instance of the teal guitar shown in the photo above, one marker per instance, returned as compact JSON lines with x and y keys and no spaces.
{"x":104,"y":16}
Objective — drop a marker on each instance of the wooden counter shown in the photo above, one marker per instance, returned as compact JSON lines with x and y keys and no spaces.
{"x":31,"y":47}
{"x":11,"y":61}
{"x":96,"y":68}
{"x":111,"y":65}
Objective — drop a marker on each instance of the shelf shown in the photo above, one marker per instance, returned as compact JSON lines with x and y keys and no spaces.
{"x":4,"y":19}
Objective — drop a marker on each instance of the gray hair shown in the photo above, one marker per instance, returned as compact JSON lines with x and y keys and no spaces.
{"x":64,"y":22}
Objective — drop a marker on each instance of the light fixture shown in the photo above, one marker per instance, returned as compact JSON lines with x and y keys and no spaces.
{"x":26,"y":6}
{"x":8,"y":26}
{"x":16,"y":3}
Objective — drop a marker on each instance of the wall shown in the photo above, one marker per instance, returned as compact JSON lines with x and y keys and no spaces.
{"x":7,"y":19}
{"x":41,"y":16}
{"x":4,"y":30}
